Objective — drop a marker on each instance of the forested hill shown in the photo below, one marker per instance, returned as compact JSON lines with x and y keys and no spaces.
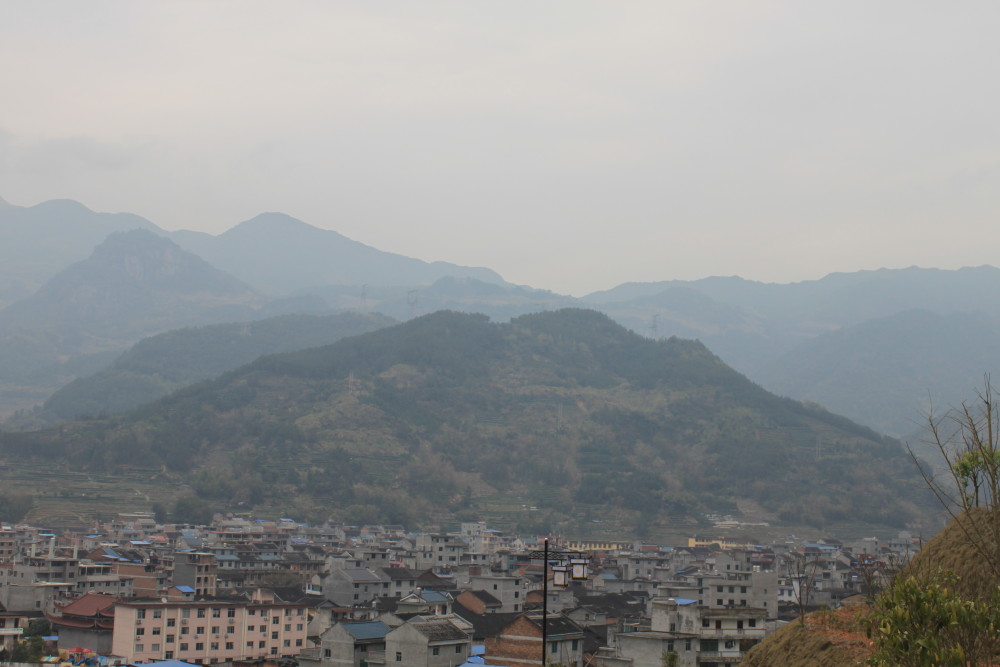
{"x":436,"y":415}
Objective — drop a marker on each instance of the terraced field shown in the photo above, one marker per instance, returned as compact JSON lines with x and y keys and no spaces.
{"x":73,"y":499}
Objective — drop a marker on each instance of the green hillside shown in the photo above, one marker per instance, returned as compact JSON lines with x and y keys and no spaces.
{"x":156,"y":366}
{"x":437,"y":417}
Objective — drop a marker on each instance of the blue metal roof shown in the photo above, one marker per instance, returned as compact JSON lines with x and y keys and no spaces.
{"x":184,"y":589}
{"x":433,"y":596}
{"x":368,"y":630}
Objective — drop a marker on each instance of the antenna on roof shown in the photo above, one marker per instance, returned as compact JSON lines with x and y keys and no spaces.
{"x":654,"y":327}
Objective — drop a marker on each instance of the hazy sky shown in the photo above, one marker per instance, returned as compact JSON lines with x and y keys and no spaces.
{"x":568,"y":145}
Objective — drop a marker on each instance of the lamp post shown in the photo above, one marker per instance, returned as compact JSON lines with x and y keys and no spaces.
{"x":577,"y":570}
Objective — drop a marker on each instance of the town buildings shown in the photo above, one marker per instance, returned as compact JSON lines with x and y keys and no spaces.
{"x":333,"y":596}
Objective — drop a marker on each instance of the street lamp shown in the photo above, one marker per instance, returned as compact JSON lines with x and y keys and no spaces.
{"x":562,"y":574}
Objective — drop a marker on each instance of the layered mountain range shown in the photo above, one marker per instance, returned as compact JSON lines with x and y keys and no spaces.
{"x":881,"y":347}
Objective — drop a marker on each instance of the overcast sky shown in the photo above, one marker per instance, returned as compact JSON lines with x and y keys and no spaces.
{"x":568,"y":145}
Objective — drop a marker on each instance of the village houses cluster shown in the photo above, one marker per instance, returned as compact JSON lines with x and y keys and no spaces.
{"x":241,"y":591}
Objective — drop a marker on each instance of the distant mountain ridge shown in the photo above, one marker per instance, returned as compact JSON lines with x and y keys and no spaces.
{"x":759,"y":328}
{"x":278,"y":253}
{"x":39,"y":241}
{"x":133,"y":285}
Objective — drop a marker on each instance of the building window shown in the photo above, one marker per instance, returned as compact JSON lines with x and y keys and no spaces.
{"x":140,"y":632}
{"x":753,"y":622}
{"x":230,"y":629}
{"x":214,"y":646}
{"x":215,"y":629}
{"x":327,"y":653}
{"x":261,"y":644}
{"x":670,"y":645}
{"x":687,"y":644}
{"x":288,"y":627}
{"x":157,"y":613}
{"x":156,"y":630}
{"x":139,"y":648}
{"x":275,"y":621}
{"x":140,"y":613}
{"x":185,"y":613}
{"x":399,"y":657}
{"x":169,"y":655}
{"x":576,"y":643}
{"x":298,"y":642}
{"x":170,"y":639}
{"x":155,"y":648}
{"x":183,"y":646}
{"x":200,"y":630}
{"x":274,"y":635}
{"x":201,"y":613}
{"x":199,"y":646}
{"x":230,"y":613}
{"x":458,"y":649}
{"x":435,"y":651}
{"x":171,"y":622}
{"x":216,"y":612}
{"x":184,"y":629}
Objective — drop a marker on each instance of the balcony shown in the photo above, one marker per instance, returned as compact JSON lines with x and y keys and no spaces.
{"x":713,"y":657}
{"x":747,"y":633}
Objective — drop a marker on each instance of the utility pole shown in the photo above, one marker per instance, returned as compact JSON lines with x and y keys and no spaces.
{"x":576,"y":571}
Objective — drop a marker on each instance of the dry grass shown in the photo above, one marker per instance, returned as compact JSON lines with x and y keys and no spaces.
{"x":827,"y":639}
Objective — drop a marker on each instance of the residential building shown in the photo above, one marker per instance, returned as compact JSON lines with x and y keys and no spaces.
{"x":208,"y":631}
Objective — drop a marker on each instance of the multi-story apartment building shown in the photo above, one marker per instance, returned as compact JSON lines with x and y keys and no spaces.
{"x":196,"y":569}
{"x":208,"y":631}
{"x":434,"y":550}
{"x":509,"y":590}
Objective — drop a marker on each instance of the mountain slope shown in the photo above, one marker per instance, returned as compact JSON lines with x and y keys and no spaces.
{"x":39,"y":241}
{"x":887,"y":371}
{"x":158,"y":365}
{"x":277,"y":253}
{"x":567,"y":408}
{"x":133,"y":285}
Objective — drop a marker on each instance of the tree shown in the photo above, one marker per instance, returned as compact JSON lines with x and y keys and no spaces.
{"x":803,"y":570}
{"x":968,"y":440}
{"x":916,"y":623}
{"x":14,"y":506}
{"x":28,"y":650}
{"x":159,"y":512}
{"x":193,"y":510}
